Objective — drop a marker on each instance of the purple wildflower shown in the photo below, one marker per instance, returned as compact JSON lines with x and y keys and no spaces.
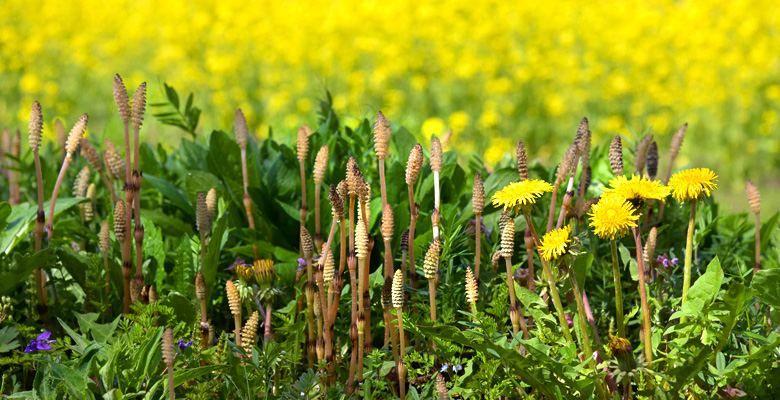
{"x":183,"y":345}
{"x":239,"y":261}
{"x":41,"y":343}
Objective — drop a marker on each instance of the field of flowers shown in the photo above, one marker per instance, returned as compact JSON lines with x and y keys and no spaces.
{"x":490,"y":71}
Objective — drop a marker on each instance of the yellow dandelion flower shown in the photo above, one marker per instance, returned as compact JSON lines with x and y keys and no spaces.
{"x":521,"y":193}
{"x":612,"y":217}
{"x":693,"y":184}
{"x":636,"y":189}
{"x":555,"y":243}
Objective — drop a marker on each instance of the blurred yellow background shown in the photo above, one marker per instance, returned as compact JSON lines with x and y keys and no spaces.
{"x":493,"y":71}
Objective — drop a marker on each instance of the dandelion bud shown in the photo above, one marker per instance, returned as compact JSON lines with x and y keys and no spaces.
{"x":200,"y":286}
{"x":508,"y":238}
{"x":387,"y":223}
{"x":249,"y":333}
{"x":677,"y":141}
{"x":320,"y":164}
{"x":121,"y":99}
{"x":306,"y":243}
{"x":641,"y":153}
{"x":36,"y":126}
{"x":387,"y":293}
{"x":105,"y":237}
{"x":116,"y":164}
{"x":471,"y":287}
{"x":405,"y":241}
{"x":652,"y":239}
{"x":81,"y":183}
{"x":336,"y":202}
{"x":567,"y":164}
{"x":361,"y":239}
{"x":522,"y":161}
{"x":652,"y":161}
{"x":616,"y":156}
{"x":202,"y":215}
{"x":234,"y":301}
{"x":381,"y":135}
{"x":398,"y":289}
{"x":431,"y":264}
{"x":514,"y":315}
{"x":167,"y":346}
{"x":241,"y":129}
{"x":623,"y":352}
{"x":436,"y":155}
{"x":478,"y":195}
{"x":120,"y":220}
{"x":303,"y":143}
{"x":414,"y":164}
{"x":75,"y":135}
{"x":753,"y":196}
{"x":139,"y":105}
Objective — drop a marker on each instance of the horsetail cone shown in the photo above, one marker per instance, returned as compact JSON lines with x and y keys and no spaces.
{"x":202,"y":219}
{"x":753,"y":196}
{"x":677,"y":141}
{"x":398,"y":289}
{"x":167,"y":345}
{"x":336,"y":203}
{"x":441,"y":388}
{"x":414,"y":164}
{"x":249,"y":333}
{"x":234,"y":301}
{"x":387,"y":223}
{"x":306,"y":244}
{"x":405,"y":241}
{"x":89,"y":152}
{"x":508,"y":238}
{"x":478,"y":195}
{"x":317,"y":306}
{"x":616,"y":156}
{"x":431,"y":264}
{"x":89,"y":212}
{"x":361,"y":240}
{"x":587,"y":175}
{"x":329,"y":268}
{"x":503,"y":219}
{"x":641,"y":152}
{"x":302,"y":146}
{"x":320,"y":164}
{"x":105,"y":237}
{"x":153,"y":297}
{"x":381,"y":135}
{"x":211,"y":205}
{"x":116,"y":164}
{"x":522,"y":161}
{"x":353,"y":181}
{"x":75,"y":135}
{"x":139,"y":105}
{"x":387,"y":293}
{"x":121,"y":99}
{"x":567,"y":164}
{"x":36,"y":126}
{"x":135,"y":290}
{"x":81,"y":183}
{"x":343,"y":191}
{"x":120,"y":220}
{"x":652,"y":240}
{"x":472,"y":292}
{"x":652,"y":161}
{"x":241,"y":129}
{"x":436,"y":155}
{"x":496,"y":259}
{"x":200,"y":287}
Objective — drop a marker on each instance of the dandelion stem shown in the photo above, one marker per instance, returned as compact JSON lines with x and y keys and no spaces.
{"x":618,"y":291}
{"x":550,"y":281}
{"x":688,"y":257}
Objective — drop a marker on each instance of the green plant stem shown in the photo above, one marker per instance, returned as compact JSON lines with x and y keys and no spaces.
{"x":170,"y":382}
{"x":551,"y":282}
{"x":402,"y":351}
{"x":758,"y":244}
{"x":646,"y":334}
{"x":520,"y":323}
{"x":618,"y":290}
{"x":688,"y":257}
{"x":432,"y":297}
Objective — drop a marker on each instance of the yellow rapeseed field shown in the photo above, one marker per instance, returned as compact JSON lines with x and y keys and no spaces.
{"x":489,"y":70}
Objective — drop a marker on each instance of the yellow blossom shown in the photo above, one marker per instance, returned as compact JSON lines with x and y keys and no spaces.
{"x":521,"y":193}
{"x":636,"y":189}
{"x":693,"y":184}
{"x":555,"y":243}
{"x":612,"y":217}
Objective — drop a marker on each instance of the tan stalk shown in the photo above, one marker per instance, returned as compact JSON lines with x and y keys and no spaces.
{"x":72,"y":145}
{"x":478,"y":205}
{"x":561,"y":174}
{"x":583,"y":149}
{"x":353,"y":334}
{"x":362,"y":252}
{"x":36,"y":131}
{"x":507,"y":250}
{"x":431,"y":269}
{"x":120,"y":221}
{"x":413,"y":168}
{"x":568,"y":172}
{"x":59,"y":133}
{"x":387,"y":306}
{"x":168,"y":355}
{"x":242,"y":139}
{"x":387,"y":238}
{"x":201,"y":293}
{"x":640,"y":261}
{"x":436,"y":166}
{"x":398,"y":304}
{"x":320,"y":165}
{"x":307,"y":246}
{"x":123,"y":107}
{"x":138,"y":110}
{"x":105,"y":243}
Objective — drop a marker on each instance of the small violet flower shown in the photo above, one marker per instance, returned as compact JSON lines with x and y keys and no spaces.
{"x":183,"y":345}
{"x":41,"y":343}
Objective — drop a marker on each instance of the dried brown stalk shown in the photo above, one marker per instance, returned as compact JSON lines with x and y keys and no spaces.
{"x":72,"y":145}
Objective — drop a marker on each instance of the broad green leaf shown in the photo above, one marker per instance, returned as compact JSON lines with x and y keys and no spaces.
{"x":8,"y":340}
{"x":703,"y":291}
{"x":214,"y":248}
{"x":765,"y":283}
{"x":21,"y":269}
{"x":171,"y":193}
